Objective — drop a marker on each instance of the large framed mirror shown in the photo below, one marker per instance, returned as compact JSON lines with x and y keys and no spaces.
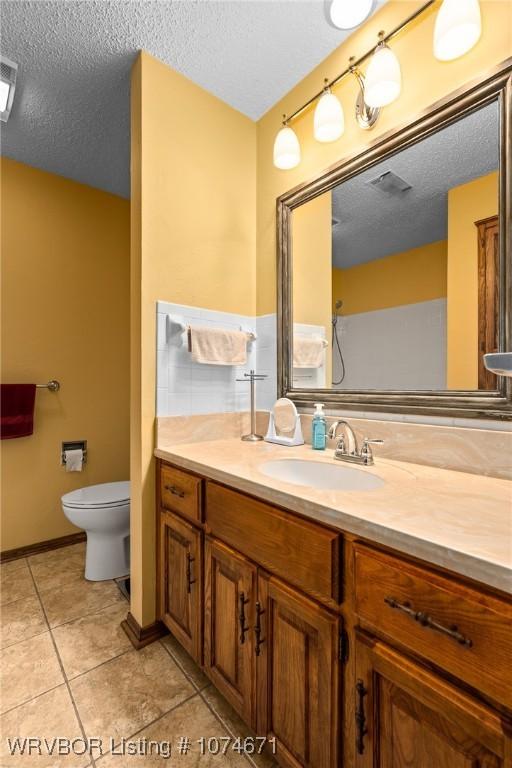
{"x":394,"y":267}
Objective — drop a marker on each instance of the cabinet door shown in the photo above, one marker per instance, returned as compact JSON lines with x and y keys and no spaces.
{"x":298,"y":686}
{"x":408,"y":717}
{"x":180,"y":582}
{"x":230,"y":588}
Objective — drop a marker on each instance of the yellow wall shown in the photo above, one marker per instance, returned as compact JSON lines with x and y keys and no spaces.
{"x":466,"y":204}
{"x":403,"y":278}
{"x":312,"y":267}
{"x":193,"y":241}
{"x":65,"y":315}
{"x":425,"y":80}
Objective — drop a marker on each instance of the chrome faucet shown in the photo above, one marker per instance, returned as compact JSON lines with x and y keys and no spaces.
{"x":346,"y":446}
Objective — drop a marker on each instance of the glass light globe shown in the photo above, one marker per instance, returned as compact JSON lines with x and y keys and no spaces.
{"x":286,"y":149}
{"x":383,"y":81}
{"x":457,"y":29}
{"x":329,"y":122}
{"x":346,"y":14}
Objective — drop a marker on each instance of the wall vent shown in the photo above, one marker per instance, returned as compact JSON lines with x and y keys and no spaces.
{"x":390,"y":183}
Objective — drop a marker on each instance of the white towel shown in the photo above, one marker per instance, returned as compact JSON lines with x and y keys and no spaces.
{"x":308,"y":352}
{"x":218,"y":346}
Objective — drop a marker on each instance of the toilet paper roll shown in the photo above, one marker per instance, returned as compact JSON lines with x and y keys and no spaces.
{"x":74,"y":460}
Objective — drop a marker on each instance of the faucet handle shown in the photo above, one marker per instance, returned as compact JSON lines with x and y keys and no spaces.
{"x":331,"y":434}
{"x":366,"y":451}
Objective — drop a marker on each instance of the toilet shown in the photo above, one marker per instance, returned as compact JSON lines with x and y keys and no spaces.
{"x":103,"y":511}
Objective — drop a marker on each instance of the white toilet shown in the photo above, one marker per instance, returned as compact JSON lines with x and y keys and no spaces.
{"x":103,"y":511}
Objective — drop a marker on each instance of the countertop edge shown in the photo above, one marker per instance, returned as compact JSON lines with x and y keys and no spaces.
{"x":460,"y":563}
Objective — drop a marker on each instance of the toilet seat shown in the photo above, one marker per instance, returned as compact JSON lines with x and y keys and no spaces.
{"x":99,"y":496}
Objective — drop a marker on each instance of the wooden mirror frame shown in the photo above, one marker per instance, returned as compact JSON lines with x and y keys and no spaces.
{"x":495,"y":404}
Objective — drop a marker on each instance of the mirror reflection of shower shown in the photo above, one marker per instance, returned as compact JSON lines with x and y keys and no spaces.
{"x":336,"y":344}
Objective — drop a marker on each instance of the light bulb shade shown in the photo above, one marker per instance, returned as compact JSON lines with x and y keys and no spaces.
{"x":346,"y":14}
{"x":286,"y":149}
{"x":383,"y":81}
{"x":457,"y":29}
{"x":329,"y":121}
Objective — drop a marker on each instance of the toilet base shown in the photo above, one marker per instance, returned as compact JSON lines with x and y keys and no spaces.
{"x":107,"y":556}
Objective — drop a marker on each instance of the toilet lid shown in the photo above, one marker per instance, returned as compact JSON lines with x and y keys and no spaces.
{"x":104,"y":495}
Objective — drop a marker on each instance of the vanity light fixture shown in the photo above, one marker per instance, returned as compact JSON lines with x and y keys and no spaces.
{"x":329,"y":121}
{"x":347,"y":14}
{"x":286,"y":148}
{"x":457,"y":29}
{"x":383,"y":81}
{"x":8,"y":72}
{"x":366,"y":116}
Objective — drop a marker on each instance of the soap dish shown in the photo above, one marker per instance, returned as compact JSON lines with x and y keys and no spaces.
{"x":499,"y":363}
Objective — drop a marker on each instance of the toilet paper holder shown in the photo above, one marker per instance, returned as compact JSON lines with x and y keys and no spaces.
{"x":73,"y":445}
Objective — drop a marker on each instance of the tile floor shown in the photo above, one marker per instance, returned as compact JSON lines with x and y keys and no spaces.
{"x":68,"y":670}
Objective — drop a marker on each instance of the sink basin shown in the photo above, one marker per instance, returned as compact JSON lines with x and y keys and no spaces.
{"x":316,"y":474}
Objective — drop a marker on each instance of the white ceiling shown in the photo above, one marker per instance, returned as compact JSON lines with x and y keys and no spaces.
{"x":373,"y":224}
{"x":71,"y":109}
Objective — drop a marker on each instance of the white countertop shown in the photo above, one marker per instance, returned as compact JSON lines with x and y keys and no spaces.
{"x":456,"y":520}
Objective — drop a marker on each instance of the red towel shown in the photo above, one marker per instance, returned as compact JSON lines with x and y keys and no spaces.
{"x":17,"y":410}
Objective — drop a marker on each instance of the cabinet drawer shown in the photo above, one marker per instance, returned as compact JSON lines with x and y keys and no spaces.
{"x":302,"y":553}
{"x":181,"y":492}
{"x":466,"y":632}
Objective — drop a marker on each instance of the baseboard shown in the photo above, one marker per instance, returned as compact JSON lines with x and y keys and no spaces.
{"x":42,"y":546}
{"x":142,"y":636}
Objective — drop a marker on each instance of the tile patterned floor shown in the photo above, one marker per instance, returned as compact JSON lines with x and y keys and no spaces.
{"x":68,"y":670}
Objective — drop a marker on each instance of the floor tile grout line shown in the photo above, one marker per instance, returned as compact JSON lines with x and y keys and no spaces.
{"x":84,"y":615}
{"x":63,"y":671}
{"x":101,"y":664}
{"x":182,"y":668}
{"x":24,"y":639}
{"x":224,"y":723}
{"x":156,"y":720}
{"x":200,"y":692}
{"x":57,"y":626}
{"x":10,"y":602}
{"x":33,"y":698}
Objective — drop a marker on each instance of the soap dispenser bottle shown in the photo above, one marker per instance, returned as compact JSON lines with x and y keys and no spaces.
{"x":319,"y":429}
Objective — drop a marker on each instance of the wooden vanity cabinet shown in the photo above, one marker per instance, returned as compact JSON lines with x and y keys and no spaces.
{"x":273,"y":654}
{"x":254,"y":594}
{"x":180,"y":582}
{"x":298,"y":675}
{"x":229,"y":611}
{"x":409,"y":717}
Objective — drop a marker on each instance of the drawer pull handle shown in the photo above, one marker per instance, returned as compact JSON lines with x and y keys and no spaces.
{"x":361,"y":729}
{"x":190,"y":580}
{"x":257,"y":629}
{"x":427,"y":621}
{"x":175,"y":491}
{"x":241,"y":617}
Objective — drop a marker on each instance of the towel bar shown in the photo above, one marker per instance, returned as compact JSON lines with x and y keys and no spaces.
{"x":52,"y":385}
{"x":175,"y":327}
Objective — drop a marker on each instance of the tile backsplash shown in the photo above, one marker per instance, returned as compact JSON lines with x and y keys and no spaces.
{"x":185,"y":388}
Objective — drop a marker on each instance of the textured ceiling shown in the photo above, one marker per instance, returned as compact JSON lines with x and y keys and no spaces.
{"x":373,"y":224}
{"x":71,"y":110}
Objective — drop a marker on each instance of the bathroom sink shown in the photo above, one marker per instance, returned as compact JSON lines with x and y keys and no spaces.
{"x":316,"y":474}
